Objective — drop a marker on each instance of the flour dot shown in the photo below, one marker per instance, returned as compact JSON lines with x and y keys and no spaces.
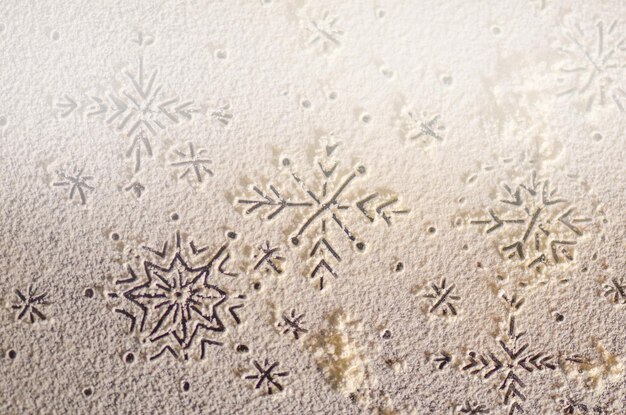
{"x":386,"y":72}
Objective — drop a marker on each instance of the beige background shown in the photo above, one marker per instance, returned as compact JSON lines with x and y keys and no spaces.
{"x":440,"y":105}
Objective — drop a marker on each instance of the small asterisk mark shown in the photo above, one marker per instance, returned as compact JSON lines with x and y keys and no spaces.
{"x":267,"y":375}
{"x":444,"y":298}
{"x":76,"y":181}
{"x":293,"y":324}
{"x":616,"y":290}
{"x":193,"y":162}
{"x":28,"y":304}
{"x":269,"y":257}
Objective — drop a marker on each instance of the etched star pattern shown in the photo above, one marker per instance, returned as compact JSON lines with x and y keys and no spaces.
{"x":175,"y":306}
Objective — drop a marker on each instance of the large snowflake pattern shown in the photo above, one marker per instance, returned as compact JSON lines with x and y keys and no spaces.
{"x":595,"y":64}
{"x":543,"y":228}
{"x":176,"y":305}
{"x":139,"y":108}
{"x":328,"y":199}
{"x":509,"y":367}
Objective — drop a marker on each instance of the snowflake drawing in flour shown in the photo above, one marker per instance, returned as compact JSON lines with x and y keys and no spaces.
{"x":74,"y":180}
{"x":534,"y":224}
{"x":29,"y":304}
{"x":193,"y":163}
{"x":139,"y":108}
{"x":267,"y":375}
{"x":511,"y":365}
{"x":324,"y":201}
{"x":323,"y":32}
{"x":420,"y":128}
{"x":595,"y":65}
{"x":177,"y":303}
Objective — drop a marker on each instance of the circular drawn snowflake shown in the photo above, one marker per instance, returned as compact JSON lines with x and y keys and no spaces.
{"x":175,"y":306}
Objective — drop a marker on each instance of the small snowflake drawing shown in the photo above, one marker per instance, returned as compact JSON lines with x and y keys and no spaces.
{"x":616,"y":291}
{"x":266,"y":374}
{"x":323,"y":31}
{"x":193,"y":162}
{"x":293,"y":324}
{"x":443,"y":298}
{"x":76,"y":182}
{"x":473,"y":408}
{"x":269,"y":258}
{"x":30,"y":304}
{"x":422,"y":129}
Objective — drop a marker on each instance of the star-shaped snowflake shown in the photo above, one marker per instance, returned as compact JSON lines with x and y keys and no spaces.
{"x":293,"y":323}
{"x":179,"y":301}
{"x":616,"y":291}
{"x":443,"y":298}
{"x":177,"y":304}
{"x":174,"y":306}
{"x":543,"y":227}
